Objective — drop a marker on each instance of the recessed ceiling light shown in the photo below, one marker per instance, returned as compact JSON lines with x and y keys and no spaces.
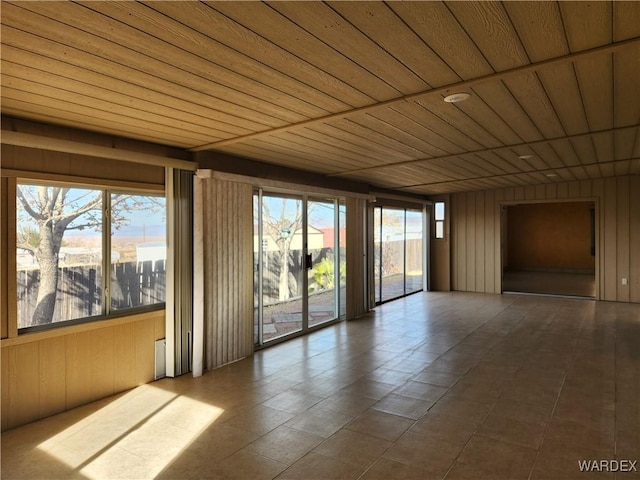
{"x":456,"y":97}
{"x":525,"y":157}
{"x":551,"y":175}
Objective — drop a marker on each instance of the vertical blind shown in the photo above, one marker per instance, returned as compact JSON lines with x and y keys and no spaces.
{"x":225,"y":284}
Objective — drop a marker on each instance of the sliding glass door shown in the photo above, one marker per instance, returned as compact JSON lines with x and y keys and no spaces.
{"x":414,"y":251}
{"x":297,"y":264}
{"x":322,"y":258}
{"x":398,"y":252}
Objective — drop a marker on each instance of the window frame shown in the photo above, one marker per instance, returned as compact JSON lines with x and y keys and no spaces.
{"x":106,"y":191}
{"x":439,"y":222}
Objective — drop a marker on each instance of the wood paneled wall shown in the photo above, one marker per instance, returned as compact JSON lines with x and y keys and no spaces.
{"x":49,"y":372}
{"x":476,"y":233}
{"x":227,"y":210}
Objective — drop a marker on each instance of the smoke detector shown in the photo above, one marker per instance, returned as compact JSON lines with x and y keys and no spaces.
{"x":456,"y":97}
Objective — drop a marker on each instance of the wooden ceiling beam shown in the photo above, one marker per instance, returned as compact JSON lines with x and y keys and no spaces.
{"x":447,"y":89}
{"x":486,"y":150}
{"x":67,"y":146}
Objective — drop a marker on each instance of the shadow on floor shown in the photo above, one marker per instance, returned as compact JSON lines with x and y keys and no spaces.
{"x":550,"y":283}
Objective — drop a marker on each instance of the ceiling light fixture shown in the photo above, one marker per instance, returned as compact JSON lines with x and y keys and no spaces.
{"x":456,"y":97}
{"x":551,"y":175}
{"x":525,"y":157}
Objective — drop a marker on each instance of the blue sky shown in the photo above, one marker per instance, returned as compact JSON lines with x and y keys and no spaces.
{"x":150,"y":221}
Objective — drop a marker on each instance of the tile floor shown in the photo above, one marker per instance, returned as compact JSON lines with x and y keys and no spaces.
{"x":433,"y":386}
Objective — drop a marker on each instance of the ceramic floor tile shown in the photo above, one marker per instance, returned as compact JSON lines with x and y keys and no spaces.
{"x":59,"y":462}
{"x":422,"y":391}
{"x":479,"y":392}
{"x":423,"y":453}
{"x":352,"y":447}
{"x":319,"y":422}
{"x":260,"y":419}
{"x":217,"y":443}
{"x":454,"y":367}
{"x":508,"y":430}
{"x":467,"y":408}
{"x":315,"y":466}
{"x":564,"y":461}
{"x":356,"y":400}
{"x":408,"y":407}
{"x":388,"y":376}
{"x":445,"y":428}
{"x":244,"y":465}
{"x":628,"y":441}
{"x":380,"y":424}
{"x":292,"y":402}
{"x":525,"y":411}
{"x":187,"y":465}
{"x":285,"y":445}
{"x":117,"y":463}
{"x":369,"y":388}
{"x":584,"y":435}
{"x":345,"y":403}
{"x":496,"y":458}
{"x":167,"y":440}
{"x":531,"y":392}
{"x":436,"y":378}
{"x":385,"y":469}
{"x":585,"y":410}
{"x":407,"y":364}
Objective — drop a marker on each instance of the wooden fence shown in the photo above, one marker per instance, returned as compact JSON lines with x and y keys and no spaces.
{"x":271,"y":272}
{"x":398,"y":255}
{"x":80,"y":292}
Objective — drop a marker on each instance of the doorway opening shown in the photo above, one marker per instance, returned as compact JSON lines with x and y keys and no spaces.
{"x":549,"y":249}
{"x":299,"y":263}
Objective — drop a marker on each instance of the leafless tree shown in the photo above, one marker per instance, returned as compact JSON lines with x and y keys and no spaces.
{"x":55,"y":211}
{"x":282,"y":228}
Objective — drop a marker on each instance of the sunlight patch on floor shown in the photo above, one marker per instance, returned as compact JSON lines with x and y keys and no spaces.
{"x":137,"y":435}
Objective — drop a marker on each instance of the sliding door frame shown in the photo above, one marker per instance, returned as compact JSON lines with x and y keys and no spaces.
{"x":426,"y":260}
{"x":305,"y":198}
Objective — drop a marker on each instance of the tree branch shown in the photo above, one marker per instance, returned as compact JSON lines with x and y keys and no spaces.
{"x":82,"y":227}
{"x":25,"y":204}
{"x":26,"y":246}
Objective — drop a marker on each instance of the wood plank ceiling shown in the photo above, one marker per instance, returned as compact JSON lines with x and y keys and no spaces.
{"x":345,"y":89}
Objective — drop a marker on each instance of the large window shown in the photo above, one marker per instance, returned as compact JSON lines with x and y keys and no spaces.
{"x":66,"y":237}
